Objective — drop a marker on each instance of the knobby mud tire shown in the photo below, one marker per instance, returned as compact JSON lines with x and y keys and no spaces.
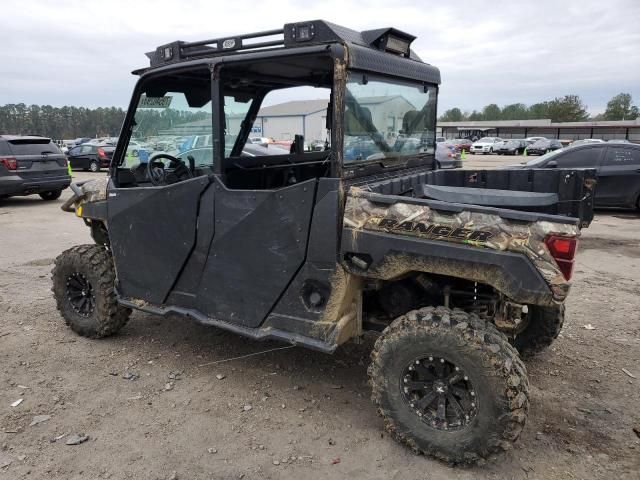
{"x":95,"y":264}
{"x":486,"y":356}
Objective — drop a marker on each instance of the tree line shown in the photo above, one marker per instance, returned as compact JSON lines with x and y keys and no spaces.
{"x":569,"y":108}
{"x":60,"y":122}
{"x":74,"y":122}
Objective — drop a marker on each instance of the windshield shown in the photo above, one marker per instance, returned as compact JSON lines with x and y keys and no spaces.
{"x":174,"y":123}
{"x":544,"y":158}
{"x":387,"y":119}
{"x":486,"y":139}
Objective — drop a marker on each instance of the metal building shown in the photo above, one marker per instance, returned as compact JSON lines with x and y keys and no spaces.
{"x":285,"y":120}
{"x":605,"y":130}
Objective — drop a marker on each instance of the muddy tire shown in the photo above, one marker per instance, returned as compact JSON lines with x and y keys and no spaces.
{"x":543,"y":327}
{"x":83,"y":286}
{"x":433,"y":354}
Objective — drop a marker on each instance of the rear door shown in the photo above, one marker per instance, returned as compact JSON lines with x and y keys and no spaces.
{"x":37,"y":158}
{"x":619,"y":177}
{"x":80,"y":156}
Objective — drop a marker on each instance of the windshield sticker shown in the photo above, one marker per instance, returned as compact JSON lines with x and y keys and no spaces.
{"x":155,"y":102}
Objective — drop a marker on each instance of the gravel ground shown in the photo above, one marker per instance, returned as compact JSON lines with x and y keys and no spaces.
{"x":154,"y":403}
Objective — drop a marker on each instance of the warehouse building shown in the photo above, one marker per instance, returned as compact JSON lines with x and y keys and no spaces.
{"x":605,"y":130}
{"x":299,"y":117}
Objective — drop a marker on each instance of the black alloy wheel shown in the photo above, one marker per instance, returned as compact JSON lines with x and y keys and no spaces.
{"x":80,"y":294}
{"x":439,"y":392}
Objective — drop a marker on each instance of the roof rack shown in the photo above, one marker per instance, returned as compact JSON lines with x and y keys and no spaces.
{"x":179,"y":50}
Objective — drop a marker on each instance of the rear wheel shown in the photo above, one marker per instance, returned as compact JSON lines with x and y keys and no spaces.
{"x":449,"y":385}
{"x":543,"y":325}
{"x":83,"y":286}
{"x":94,"y":167}
{"x":51,"y":195}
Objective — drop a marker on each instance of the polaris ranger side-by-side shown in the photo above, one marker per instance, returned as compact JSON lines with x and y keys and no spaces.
{"x":455,"y":271}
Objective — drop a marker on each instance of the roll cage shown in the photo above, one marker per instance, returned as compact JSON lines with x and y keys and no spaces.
{"x":315,"y":53}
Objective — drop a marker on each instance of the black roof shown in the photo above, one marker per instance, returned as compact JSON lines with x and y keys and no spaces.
{"x":386,"y":50}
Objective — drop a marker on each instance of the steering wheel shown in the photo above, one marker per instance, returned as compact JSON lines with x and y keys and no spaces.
{"x":160,"y":175}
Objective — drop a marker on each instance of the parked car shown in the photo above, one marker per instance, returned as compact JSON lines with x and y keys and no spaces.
{"x":90,"y":157}
{"x":440,"y":139}
{"x":448,"y":156}
{"x":515,"y":146}
{"x":461,"y":144}
{"x":32,"y":165}
{"x":543,"y":146}
{"x":617,"y":167}
{"x":485,"y":145}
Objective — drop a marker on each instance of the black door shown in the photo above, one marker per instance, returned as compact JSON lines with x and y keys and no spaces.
{"x":80,"y":157}
{"x":259,"y":244}
{"x":619,"y":177}
{"x":152,"y":232}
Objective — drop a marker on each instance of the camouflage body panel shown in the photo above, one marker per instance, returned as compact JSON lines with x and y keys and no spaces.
{"x":94,"y":190}
{"x":472,"y":228}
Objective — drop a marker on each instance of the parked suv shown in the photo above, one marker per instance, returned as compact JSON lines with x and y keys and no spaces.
{"x":30,"y":165}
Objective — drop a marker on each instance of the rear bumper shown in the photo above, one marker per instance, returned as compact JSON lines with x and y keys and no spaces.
{"x":15,"y":185}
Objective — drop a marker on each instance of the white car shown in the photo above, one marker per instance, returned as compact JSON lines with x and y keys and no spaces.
{"x":485,"y":145}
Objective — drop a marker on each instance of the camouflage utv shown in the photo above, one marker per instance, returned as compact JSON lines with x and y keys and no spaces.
{"x":457,"y":272}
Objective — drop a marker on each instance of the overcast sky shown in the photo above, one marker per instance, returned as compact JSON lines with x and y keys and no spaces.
{"x":81,"y":53}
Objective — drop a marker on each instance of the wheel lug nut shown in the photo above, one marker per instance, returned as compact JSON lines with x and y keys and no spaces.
{"x":431,"y":359}
{"x":406,"y":390}
{"x":417,"y":362}
{"x":473,"y":404}
{"x":472,"y":393}
{"x":466,"y":378}
{"x":411,"y":367}
{"x":457,"y":369}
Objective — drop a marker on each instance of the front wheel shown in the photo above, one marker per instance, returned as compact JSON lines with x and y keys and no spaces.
{"x":449,"y":385}
{"x":94,"y":167}
{"x":83,"y":286}
{"x":51,"y":195}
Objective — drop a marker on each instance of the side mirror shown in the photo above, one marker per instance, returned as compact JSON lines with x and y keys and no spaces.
{"x":552,"y":164}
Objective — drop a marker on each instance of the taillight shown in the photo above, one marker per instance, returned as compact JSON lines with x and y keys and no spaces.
{"x":101,"y":153}
{"x":563,"y":251}
{"x":10,"y":163}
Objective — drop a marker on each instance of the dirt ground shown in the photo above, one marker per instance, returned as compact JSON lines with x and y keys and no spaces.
{"x":155,"y":405}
